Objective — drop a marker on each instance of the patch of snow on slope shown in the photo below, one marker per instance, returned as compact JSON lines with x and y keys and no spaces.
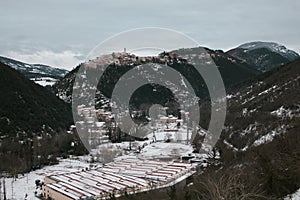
{"x":44,"y":81}
{"x":267,"y":90}
{"x":282,"y":112}
{"x":295,"y":196}
{"x":270,"y":136}
{"x":161,"y":149}
{"x":230,"y":145}
{"x":249,"y":99}
{"x":251,"y":128}
{"x":229,"y":96}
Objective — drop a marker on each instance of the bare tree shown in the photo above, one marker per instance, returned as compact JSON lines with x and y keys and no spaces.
{"x":4,"y":190}
{"x":0,"y":187}
{"x":228,"y":186}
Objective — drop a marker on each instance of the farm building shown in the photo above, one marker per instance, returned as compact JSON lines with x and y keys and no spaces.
{"x":116,"y":179}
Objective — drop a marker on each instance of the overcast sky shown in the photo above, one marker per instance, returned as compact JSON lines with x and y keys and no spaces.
{"x":62,"y":32}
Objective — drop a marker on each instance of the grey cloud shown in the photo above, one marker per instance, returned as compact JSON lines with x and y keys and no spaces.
{"x":79,"y":25}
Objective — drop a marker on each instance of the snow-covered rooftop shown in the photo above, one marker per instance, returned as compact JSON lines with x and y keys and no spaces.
{"x":124,"y":175}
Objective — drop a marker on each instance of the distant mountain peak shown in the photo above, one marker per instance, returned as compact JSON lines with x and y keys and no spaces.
{"x":263,"y":56}
{"x":272,"y":46}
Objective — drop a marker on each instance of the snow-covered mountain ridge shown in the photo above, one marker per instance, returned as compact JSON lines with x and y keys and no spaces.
{"x":263,"y":56}
{"x":40,"y":74}
{"x":274,"y":47}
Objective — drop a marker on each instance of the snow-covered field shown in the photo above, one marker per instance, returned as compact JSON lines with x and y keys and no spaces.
{"x":25,"y":184}
{"x":45,"y":81}
{"x":161,"y":149}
